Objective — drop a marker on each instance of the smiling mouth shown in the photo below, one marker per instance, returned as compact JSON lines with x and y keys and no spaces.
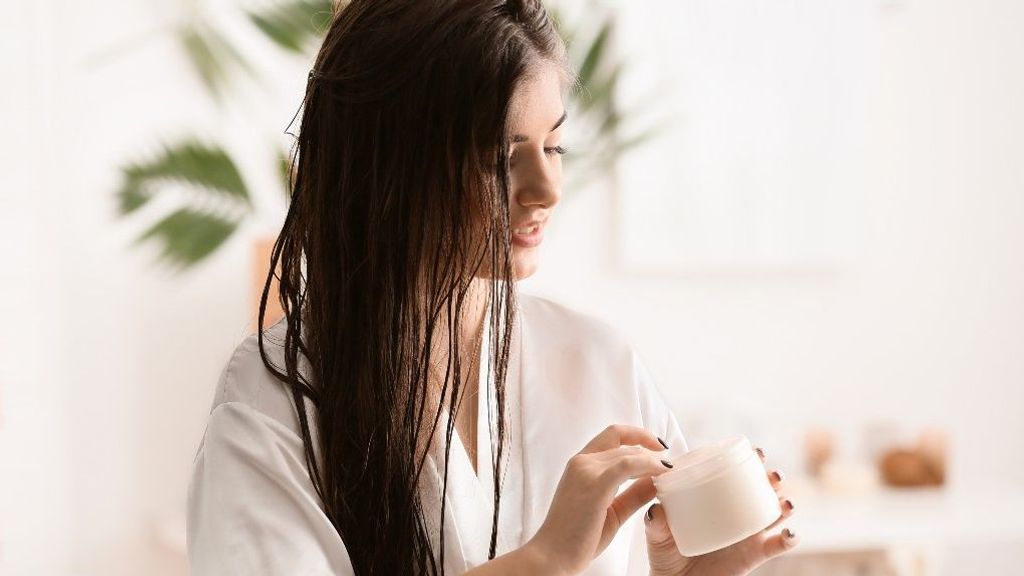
{"x":528,"y":236}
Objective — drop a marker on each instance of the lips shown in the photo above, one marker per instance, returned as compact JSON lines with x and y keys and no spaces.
{"x":526,"y":228}
{"x":526,"y":225}
{"x":528,"y":234}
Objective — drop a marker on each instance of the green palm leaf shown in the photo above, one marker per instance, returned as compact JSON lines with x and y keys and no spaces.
{"x":212,"y":56}
{"x":599,"y":94}
{"x":598,"y":115}
{"x":190,"y":162}
{"x":593,"y":57}
{"x":189,"y":235}
{"x":284,"y":170}
{"x":194,"y":231}
{"x":292,"y":25}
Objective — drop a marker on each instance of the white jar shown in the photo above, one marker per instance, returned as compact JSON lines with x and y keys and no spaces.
{"x":717,"y":495}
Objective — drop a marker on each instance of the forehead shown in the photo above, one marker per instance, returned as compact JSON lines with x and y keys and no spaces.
{"x":538,"y":101}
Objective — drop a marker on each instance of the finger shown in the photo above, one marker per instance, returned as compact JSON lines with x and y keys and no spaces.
{"x":623,"y":451}
{"x":656,"y":526}
{"x":779,"y":543}
{"x":618,"y":470}
{"x":624,"y":505}
{"x":787,"y":510}
{"x":776,"y":477}
{"x":631,"y":499}
{"x":760,"y":453}
{"x":618,"y":434}
{"x":662,"y":553}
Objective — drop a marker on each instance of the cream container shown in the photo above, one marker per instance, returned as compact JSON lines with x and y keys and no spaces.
{"x":717,"y":495}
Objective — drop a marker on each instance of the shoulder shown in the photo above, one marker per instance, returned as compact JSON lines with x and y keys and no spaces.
{"x":572,"y":326}
{"x":577,"y":337}
{"x":246,"y":380}
{"x":588,"y":362}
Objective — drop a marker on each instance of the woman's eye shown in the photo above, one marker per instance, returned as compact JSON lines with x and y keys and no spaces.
{"x":548,"y":151}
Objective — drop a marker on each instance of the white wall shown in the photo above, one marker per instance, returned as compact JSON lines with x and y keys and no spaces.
{"x":924,"y":325}
{"x":926,"y":321}
{"x":34,"y":465}
{"x":106,"y":401}
{"x":109,"y":364}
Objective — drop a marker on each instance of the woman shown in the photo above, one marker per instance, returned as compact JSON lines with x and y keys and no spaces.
{"x":412,"y":413}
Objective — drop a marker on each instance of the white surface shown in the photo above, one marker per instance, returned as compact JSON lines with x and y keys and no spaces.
{"x":891,"y":517}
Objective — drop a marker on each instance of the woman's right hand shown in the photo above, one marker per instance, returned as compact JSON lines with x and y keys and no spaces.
{"x":585,"y":512}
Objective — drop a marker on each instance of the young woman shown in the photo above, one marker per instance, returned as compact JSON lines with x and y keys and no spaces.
{"x":412,"y":413}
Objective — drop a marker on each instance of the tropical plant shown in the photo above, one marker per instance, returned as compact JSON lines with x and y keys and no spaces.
{"x":220,"y":200}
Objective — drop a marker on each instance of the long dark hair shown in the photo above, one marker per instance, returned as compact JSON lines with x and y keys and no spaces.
{"x":399,"y":199}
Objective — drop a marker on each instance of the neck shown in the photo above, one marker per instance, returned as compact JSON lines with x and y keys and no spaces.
{"x":470,"y":331}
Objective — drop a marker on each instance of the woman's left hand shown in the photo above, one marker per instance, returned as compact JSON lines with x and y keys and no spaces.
{"x":736,"y":560}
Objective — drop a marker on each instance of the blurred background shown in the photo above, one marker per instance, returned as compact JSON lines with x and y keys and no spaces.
{"x":805,"y":214}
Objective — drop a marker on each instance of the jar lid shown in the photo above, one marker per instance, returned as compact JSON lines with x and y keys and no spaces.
{"x":704,"y":463}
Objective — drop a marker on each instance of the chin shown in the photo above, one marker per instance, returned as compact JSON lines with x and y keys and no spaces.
{"x":526,"y":262}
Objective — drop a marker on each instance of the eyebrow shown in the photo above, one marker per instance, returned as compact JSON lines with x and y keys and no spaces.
{"x":521,"y":138}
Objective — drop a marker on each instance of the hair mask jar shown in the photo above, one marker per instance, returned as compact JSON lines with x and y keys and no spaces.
{"x":717,"y":495}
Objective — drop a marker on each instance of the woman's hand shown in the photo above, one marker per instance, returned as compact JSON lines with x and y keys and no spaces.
{"x":736,"y":560}
{"x":585,"y":512}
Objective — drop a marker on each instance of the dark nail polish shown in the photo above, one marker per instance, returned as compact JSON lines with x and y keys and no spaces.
{"x":666,"y":463}
{"x":789,"y":504}
{"x":649,"y":515}
{"x":788,"y":533}
{"x":760,"y":452}
{"x":662,"y":442}
{"x":778,"y":475}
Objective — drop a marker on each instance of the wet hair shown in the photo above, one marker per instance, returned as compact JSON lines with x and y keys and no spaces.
{"x":399,"y":197}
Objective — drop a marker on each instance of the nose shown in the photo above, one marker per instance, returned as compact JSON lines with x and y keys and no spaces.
{"x":537,"y":182}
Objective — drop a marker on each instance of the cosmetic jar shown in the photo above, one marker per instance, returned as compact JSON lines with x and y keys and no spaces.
{"x":717,"y":495}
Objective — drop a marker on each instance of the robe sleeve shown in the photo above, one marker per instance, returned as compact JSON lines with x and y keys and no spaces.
{"x":657,"y":417}
{"x":252,"y":508}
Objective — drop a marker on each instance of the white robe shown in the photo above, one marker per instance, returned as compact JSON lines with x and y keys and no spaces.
{"x":253,"y":510}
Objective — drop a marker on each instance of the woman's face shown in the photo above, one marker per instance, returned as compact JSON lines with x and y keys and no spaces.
{"x":537,"y":118}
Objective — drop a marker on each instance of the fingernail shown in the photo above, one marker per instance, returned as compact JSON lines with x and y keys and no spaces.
{"x":778,"y":475}
{"x":649,"y":515}
{"x":760,"y":452}
{"x":666,"y":463}
{"x":788,"y":533}
{"x":789,"y":504}
{"x":662,"y":442}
